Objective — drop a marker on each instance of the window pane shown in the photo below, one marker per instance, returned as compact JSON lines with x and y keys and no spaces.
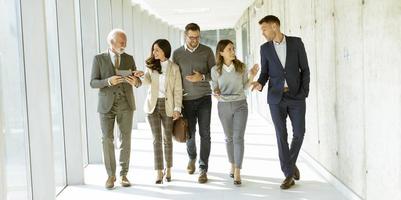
{"x":14,"y":143}
{"x":56,"y":98}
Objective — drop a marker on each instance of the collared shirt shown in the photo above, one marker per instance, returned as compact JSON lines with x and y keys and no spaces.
{"x":113,"y":57}
{"x":229,"y":68}
{"x":190,"y":50}
{"x":281,"y":50}
{"x":162,"y":79}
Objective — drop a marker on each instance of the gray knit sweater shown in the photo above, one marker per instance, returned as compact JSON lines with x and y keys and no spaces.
{"x":201,"y":60}
{"x":232,"y":84}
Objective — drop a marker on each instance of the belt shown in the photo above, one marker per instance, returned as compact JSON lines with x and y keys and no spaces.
{"x":286,"y":89}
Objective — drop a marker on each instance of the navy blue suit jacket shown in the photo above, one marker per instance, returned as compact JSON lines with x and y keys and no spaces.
{"x":296,"y":71}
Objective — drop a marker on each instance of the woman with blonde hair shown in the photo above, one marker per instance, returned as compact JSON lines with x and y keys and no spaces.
{"x":230,"y":79}
{"x":163,"y":104}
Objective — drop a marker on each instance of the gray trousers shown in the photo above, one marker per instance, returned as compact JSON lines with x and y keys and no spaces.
{"x":233,"y":117}
{"x":156,"y":120}
{"x":121,"y":112}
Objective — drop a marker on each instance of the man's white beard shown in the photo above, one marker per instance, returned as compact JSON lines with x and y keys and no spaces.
{"x":120,"y":51}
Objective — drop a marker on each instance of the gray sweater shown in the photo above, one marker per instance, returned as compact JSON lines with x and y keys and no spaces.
{"x":231,"y":84}
{"x":201,"y":60}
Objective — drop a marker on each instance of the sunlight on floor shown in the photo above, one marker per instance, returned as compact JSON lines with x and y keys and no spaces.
{"x":261,"y":174}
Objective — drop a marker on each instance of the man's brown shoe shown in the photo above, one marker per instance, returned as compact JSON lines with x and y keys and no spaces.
{"x":110,"y":182}
{"x":191,"y":166}
{"x":296,"y":173}
{"x":202,"y":177}
{"x":125,"y":182}
{"x":287,"y":183}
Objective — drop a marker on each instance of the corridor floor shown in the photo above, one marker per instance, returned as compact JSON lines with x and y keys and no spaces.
{"x":261,"y":174}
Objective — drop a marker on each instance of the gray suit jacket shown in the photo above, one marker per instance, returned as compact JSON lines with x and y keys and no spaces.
{"x":102,"y":69}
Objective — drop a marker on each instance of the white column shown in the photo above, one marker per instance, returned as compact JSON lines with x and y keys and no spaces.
{"x":70,"y":87}
{"x":117,"y":13}
{"x":171,"y":38}
{"x":138,"y":37}
{"x":128,"y":26}
{"x":81,"y":80}
{"x":141,"y":34}
{"x":3,"y":188}
{"x":104,"y":22}
{"x":90,"y":47}
{"x":38,"y":99}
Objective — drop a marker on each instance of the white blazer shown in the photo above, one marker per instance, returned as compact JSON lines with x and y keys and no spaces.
{"x":173,"y":89}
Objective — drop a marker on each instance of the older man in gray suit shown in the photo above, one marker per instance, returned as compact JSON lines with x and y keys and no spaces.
{"x":116,"y":102}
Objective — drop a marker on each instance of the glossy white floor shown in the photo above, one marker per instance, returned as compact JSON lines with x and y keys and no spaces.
{"x":261,"y":174}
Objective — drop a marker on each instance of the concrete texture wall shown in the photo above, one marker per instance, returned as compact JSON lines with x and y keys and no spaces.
{"x":354,"y":107}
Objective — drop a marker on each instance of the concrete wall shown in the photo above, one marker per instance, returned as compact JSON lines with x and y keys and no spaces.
{"x":354,"y":108}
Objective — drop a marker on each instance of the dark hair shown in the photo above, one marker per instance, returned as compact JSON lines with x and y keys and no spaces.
{"x":270,"y":19}
{"x":192,"y":27}
{"x":238,"y":65}
{"x":154,"y":64}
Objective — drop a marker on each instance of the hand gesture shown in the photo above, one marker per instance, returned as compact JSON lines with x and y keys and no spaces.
{"x":217,"y":93}
{"x":195,"y":77}
{"x":254,"y":70}
{"x":255,"y":85}
{"x":133,"y":80}
{"x":138,"y":73}
{"x":114,"y":80}
{"x":176,"y":115}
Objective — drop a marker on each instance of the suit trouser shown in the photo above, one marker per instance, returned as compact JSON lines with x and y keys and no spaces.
{"x":296,"y":110}
{"x":199,"y":110}
{"x":123,"y":114}
{"x":156,"y":120}
{"x":233,"y":117}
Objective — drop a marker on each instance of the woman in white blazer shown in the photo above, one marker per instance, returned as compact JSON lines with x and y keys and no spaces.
{"x":163,"y":104}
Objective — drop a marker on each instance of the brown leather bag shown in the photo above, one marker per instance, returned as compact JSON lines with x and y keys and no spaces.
{"x":180,"y":130}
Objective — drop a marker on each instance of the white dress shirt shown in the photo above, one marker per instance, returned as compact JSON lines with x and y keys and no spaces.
{"x":281,"y":50}
{"x":162,"y":79}
{"x":190,"y":50}
{"x":113,"y":57}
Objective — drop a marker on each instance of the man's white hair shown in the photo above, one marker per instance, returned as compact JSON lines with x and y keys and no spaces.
{"x":113,"y":34}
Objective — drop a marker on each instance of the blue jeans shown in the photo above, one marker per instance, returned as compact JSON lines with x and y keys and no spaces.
{"x":199,"y":110}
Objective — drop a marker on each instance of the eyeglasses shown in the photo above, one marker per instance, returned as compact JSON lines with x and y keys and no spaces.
{"x":193,"y":37}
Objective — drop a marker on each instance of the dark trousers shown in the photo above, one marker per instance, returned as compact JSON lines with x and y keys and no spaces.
{"x":199,"y":111}
{"x":296,"y":110}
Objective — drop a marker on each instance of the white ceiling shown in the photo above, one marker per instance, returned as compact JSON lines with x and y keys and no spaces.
{"x":208,"y":14}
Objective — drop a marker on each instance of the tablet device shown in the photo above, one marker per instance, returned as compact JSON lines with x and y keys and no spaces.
{"x":124,"y":73}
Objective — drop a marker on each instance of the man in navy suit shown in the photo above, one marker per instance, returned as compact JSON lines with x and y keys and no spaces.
{"x":285,"y":66}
